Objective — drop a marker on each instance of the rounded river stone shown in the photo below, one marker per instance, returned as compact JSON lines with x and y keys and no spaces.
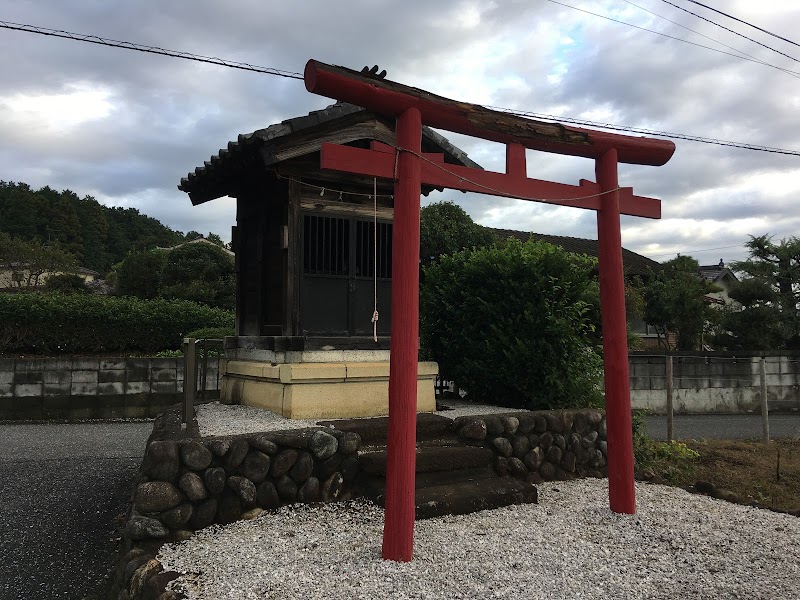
{"x":156,"y":496}
{"x":192,"y":485}
{"x":161,"y":460}
{"x":323,"y":445}
{"x":196,"y":456}
{"x":215,"y":480}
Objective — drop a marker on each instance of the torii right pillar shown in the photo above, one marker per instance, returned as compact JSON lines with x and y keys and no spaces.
{"x":621,"y":492}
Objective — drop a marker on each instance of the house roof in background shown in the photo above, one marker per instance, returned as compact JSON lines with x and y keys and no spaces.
{"x":714,"y":273}
{"x":634,"y":264}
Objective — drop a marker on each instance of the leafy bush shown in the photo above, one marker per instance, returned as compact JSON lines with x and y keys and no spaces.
{"x":55,"y":323}
{"x":513,"y":324}
{"x":671,"y":460}
{"x":66,"y":283}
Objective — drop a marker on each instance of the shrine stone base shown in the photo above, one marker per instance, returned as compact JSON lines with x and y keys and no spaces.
{"x":315,"y":378}
{"x":322,"y":390}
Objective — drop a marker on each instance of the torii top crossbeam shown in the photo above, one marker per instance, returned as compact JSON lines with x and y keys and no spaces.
{"x":409,"y":168}
{"x":392,"y":99}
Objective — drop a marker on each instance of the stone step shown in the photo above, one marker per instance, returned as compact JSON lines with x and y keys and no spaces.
{"x":430,"y":459}
{"x":471,"y":494}
{"x":374,"y":431}
{"x":374,"y":486}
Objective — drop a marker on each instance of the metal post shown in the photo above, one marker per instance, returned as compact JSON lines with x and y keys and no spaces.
{"x":762,"y":371}
{"x":203,"y":370}
{"x":669,"y":398}
{"x":189,"y":379}
{"x":621,"y":491}
{"x":398,"y":529}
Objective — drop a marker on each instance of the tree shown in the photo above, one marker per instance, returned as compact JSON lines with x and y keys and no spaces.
{"x":140,"y":274}
{"x":674,"y":302}
{"x":200,"y":272}
{"x":446,"y":228}
{"x":768,"y":295}
{"x":512,"y":323}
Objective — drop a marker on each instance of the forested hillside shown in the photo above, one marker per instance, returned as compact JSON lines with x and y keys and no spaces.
{"x":99,"y":236}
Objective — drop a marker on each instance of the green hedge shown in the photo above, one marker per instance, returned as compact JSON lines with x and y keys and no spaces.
{"x":54,"y":323}
{"x":514,"y":324}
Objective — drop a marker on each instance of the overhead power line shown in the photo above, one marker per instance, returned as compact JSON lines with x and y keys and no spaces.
{"x":295,"y":75}
{"x":672,"y":37}
{"x":93,"y":39}
{"x":731,"y":30}
{"x":694,"y":31}
{"x":644,"y":131}
{"x":745,"y":22}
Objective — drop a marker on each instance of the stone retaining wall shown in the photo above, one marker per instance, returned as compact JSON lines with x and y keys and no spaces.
{"x":187,"y":483}
{"x":543,"y":445}
{"x":93,"y":388}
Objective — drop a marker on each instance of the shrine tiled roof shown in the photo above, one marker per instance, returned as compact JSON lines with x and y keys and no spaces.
{"x":199,"y":183}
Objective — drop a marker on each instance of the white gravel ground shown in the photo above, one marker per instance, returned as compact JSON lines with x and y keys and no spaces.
{"x":570,"y":545}
{"x":222,"y":419}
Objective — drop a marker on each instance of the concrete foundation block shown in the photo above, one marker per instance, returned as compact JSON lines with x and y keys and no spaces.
{"x":111,"y":376}
{"x":137,"y":387}
{"x":60,"y":377}
{"x":112,"y":364}
{"x":85,"y":364}
{"x":27,"y":390}
{"x":57,"y":389}
{"x":111,"y":389}
{"x":84,"y":376}
{"x":163,"y":387}
{"x":83,"y":388}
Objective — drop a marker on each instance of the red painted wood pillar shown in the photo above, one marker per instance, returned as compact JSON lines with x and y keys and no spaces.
{"x":398,"y":528}
{"x":621,"y":491}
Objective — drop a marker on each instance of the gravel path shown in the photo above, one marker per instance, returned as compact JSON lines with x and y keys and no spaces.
{"x":570,"y":545}
{"x":222,"y":419}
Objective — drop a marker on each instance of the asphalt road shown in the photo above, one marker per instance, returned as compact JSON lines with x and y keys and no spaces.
{"x":63,"y":491}
{"x":731,"y":427}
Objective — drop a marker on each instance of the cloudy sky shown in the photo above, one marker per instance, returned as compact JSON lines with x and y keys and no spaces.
{"x":125,"y":126}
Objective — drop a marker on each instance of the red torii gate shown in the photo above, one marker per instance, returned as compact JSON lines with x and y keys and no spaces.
{"x":410,"y":168}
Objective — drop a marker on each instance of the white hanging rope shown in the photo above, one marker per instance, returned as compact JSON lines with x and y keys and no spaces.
{"x":375,"y":260}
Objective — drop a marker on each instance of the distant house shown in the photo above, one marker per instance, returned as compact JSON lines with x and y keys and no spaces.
{"x":18,"y":275}
{"x":722,"y":277}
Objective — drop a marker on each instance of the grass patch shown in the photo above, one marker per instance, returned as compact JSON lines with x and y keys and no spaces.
{"x":767,"y":474}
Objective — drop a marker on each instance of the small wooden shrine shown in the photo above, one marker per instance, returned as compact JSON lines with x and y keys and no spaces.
{"x":313,"y":259}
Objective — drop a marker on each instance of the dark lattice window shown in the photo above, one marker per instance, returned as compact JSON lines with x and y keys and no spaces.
{"x":365,"y":249}
{"x":326,"y":245}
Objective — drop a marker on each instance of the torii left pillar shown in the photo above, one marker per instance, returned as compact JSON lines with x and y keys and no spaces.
{"x":398,"y":538}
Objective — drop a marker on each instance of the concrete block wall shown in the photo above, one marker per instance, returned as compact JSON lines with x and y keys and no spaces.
{"x":717,"y":382}
{"x":93,"y":388}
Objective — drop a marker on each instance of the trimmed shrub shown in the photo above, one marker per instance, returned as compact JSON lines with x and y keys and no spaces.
{"x":514,"y":324}
{"x":55,"y":323}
